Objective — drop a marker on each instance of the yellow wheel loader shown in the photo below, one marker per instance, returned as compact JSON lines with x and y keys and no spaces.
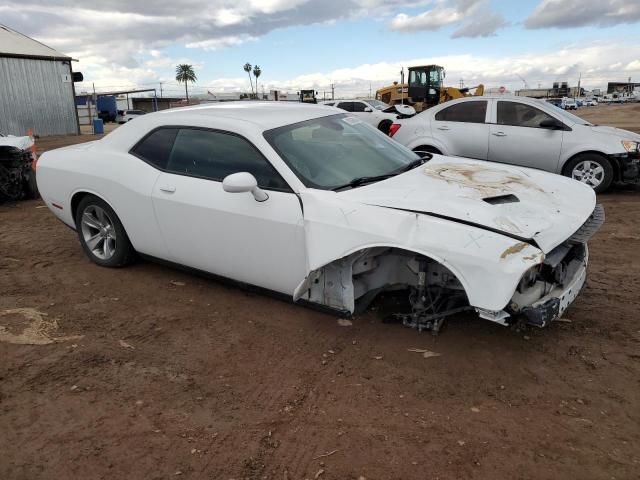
{"x":425,"y":89}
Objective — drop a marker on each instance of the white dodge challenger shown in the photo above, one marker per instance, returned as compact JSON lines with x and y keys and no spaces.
{"x":310,"y":202}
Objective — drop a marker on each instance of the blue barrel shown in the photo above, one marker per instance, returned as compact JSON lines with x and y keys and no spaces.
{"x":98,"y":126}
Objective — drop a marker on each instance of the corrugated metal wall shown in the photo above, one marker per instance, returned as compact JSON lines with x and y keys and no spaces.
{"x":36,"y":94}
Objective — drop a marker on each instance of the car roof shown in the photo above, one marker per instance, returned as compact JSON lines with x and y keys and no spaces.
{"x":266,"y":115}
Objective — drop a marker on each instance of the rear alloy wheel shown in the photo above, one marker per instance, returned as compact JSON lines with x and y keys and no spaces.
{"x":101,"y":234}
{"x":592,"y":170}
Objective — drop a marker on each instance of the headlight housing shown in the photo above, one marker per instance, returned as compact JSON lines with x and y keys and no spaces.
{"x":630,"y":146}
{"x":529,"y":278}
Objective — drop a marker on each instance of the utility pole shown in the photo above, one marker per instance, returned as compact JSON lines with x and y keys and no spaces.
{"x":577,"y":93}
{"x":333,"y":91}
{"x":160,"y":89}
{"x":95,"y":104}
{"x":369,"y":89}
{"x":461,"y":83}
{"x":402,"y":86}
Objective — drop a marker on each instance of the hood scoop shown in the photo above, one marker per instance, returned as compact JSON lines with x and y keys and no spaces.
{"x":500,"y":199}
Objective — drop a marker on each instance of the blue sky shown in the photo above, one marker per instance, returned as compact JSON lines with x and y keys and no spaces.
{"x":352,"y":43}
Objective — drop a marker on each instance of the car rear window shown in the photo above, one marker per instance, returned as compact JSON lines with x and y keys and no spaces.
{"x":156,"y":147}
{"x":468,"y":112}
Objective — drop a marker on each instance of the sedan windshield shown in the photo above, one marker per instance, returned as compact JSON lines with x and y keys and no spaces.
{"x":338,"y":151}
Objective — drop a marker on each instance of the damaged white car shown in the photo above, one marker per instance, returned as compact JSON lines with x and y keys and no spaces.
{"x":325,"y":209}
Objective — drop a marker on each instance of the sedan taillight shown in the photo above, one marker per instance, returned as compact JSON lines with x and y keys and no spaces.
{"x":393,"y":129}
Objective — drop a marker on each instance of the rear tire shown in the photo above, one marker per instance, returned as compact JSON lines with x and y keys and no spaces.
{"x":591,"y":169}
{"x":101,"y":233}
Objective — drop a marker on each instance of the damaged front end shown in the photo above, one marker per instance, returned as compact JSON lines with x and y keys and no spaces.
{"x":17,"y":176}
{"x":431,"y":292}
{"x":546,"y":290}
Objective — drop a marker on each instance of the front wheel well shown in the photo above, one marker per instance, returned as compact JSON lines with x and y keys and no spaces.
{"x":427,"y":148}
{"x":352,"y":282}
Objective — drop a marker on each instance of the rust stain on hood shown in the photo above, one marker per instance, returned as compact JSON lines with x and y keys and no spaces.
{"x":518,"y":247}
{"x":484,"y":179}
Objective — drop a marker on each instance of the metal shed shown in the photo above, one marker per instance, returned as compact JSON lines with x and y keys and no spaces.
{"x":36,"y":87}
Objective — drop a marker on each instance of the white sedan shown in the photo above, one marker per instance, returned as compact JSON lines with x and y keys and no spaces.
{"x":527,"y":132}
{"x":376,"y":113}
{"x":323,"y":208}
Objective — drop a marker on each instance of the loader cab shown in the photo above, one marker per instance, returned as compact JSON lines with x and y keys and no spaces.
{"x":425,"y":84}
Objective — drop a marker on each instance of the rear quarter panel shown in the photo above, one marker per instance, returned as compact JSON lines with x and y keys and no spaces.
{"x":120,"y":179}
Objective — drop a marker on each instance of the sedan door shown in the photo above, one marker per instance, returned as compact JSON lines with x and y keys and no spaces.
{"x":517,"y":137}
{"x":462,"y":129}
{"x":229,"y":234}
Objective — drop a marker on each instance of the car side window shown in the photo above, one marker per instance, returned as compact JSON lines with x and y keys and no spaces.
{"x":348,"y":106}
{"x":358,"y":107}
{"x":156,"y":147}
{"x":520,"y":115}
{"x":467,"y":112}
{"x":214,"y":155}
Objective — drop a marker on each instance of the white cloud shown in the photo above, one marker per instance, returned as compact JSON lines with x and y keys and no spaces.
{"x":483,"y":26}
{"x":125,"y":37}
{"x":430,"y":20}
{"x":473,"y":16}
{"x":577,"y":13}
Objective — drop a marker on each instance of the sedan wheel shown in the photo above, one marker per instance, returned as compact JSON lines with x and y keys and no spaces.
{"x":98,"y":232}
{"x":101,"y":233}
{"x":592,"y":170}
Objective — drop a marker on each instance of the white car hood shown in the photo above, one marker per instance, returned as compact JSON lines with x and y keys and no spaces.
{"x":618,"y":132}
{"x":547,"y":208}
{"x":21,"y":143}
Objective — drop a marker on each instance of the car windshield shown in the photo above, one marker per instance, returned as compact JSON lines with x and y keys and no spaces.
{"x":377,"y":104}
{"x":334,"y":151}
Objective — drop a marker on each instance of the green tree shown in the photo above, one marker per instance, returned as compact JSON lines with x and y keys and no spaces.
{"x":185,"y":74}
{"x":257,"y":71}
{"x":247,"y":68}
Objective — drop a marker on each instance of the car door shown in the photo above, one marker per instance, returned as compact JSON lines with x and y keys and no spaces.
{"x":462,"y":129}
{"x":517,"y":137}
{"x":229,"y":234}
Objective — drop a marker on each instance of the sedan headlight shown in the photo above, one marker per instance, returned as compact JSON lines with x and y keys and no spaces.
{"x":529,"y":278}
{"x":630,"y":146}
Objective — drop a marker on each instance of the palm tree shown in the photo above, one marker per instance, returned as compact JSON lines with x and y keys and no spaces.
{"x":185,"y":74}
{"x":247,"y":68}
{"x":256,"y":73}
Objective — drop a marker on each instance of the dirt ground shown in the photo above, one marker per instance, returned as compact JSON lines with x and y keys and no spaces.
{"x":149,"y":372}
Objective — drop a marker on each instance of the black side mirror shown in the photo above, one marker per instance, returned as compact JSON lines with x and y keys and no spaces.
{"x":551,"y":124}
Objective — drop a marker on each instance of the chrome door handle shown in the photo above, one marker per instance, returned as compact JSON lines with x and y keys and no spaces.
{"x":168,"y":189}
{"x":499,"y":134}
{"x":444,"y":127}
